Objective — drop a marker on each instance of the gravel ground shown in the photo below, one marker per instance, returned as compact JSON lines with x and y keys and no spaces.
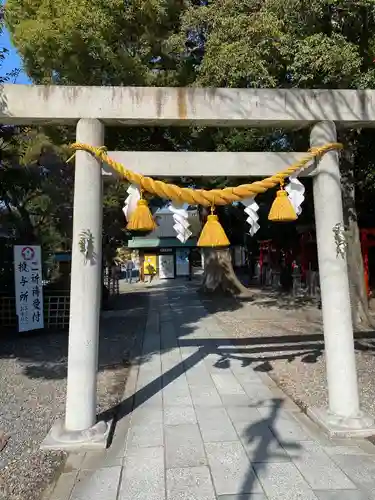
{"x":285,"y":340}
{"x":32,"y":393}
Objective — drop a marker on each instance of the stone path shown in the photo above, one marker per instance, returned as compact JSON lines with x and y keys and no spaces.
{"x":203,"y":425}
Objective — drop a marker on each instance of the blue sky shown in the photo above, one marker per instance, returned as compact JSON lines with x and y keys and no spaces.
{"x":12,"y":59}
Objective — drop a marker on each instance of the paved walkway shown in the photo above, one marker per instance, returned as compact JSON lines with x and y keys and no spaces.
{"x":203,"y":425}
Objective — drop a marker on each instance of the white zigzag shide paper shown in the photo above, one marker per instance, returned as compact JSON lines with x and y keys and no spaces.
{"x":251,"y":209}
{"x":131,"y":201}
{"x":296,"y":194}
{"x":181,"y":226}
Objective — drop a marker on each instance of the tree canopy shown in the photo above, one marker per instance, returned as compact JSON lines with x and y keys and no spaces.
{"x":294,"y":43}
{"x":107,"y":42}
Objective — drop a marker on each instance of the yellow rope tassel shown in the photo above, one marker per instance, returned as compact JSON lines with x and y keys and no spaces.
{"x":282,"y":210}
{"x":213,"y":234}
{"x":141,"y":219}
{"x":201,"y":196}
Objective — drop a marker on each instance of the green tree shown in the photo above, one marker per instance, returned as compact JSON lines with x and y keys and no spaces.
{"x":107,"y":42}
{"x":36,"y":192}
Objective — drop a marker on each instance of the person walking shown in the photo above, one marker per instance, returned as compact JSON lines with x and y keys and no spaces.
{"x":129,"y":271}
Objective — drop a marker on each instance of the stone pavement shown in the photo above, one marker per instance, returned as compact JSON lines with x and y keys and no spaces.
{"x":203,"y":425}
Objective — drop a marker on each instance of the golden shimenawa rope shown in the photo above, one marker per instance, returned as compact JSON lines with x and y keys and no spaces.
{"x":201,"y":196}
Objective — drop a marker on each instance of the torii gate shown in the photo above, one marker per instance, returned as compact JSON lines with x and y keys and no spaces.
{"x":92,"y":108}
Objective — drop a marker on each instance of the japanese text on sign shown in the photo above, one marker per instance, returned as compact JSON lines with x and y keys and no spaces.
{"x":28,"y":286}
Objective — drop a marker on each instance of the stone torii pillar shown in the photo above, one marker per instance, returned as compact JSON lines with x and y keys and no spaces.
{"x":343,"y":417}
{"x":80,"y":428}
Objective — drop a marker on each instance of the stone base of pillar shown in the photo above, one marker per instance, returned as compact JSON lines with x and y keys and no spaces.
{"x":359,"y":426}
{"x":95,"y":438}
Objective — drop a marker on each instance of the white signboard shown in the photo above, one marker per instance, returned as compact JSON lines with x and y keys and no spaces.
{"x":29,"y":290}
{"x":182,"y":262}
{"x":166,"y":266}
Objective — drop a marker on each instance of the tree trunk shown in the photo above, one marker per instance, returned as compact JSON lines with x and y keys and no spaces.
{"x":219,"y":276}
{"x":358,"y":294}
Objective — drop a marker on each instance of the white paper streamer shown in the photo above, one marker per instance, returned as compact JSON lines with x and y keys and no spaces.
{"x":131,"y":201}
{"x":180,"y":217}
{"x":296,"y":194}
{"x":251,"y":209}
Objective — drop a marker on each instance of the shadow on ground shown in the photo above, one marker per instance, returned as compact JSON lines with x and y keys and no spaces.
{"x":45,"y":355}
{"x":260,"y":437}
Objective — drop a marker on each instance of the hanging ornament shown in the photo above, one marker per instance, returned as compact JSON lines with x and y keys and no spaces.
{"x":180,"y":217}
{"x":141,"y":219}
{"x":296,"y":193}
{"x":131,"y":201}
{"x":251,"y":209}
{"x":282,"y":210}
{"x":213,"y":234}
